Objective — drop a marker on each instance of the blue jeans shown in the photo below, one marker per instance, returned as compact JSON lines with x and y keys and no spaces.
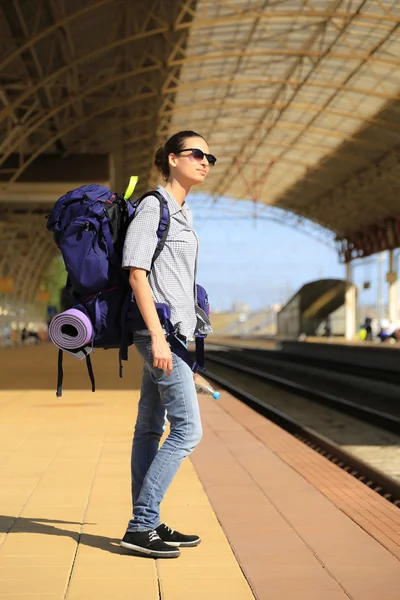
{"x":154,"y":468}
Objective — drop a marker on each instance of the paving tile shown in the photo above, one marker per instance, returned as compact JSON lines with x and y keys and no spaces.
{"x":98,"y":546}
{"x":222,"y":559}
{"x":227,"y":491}
{"x":107,"y":589}
{"x":108,"y":510}
{"x":227,"y":472}
{"x":29,"y":573}
{"x":45,"y":560}
{"x":38,"y":586}
{"x":380,"y":581}
{"x":186,"y":524}
{"x":217,"y":548}
{"x":192,"y":499}
{"x":105,"y":524}
{"x":291,"y":577}
{"x":276,"y":553}
{"x":30,"y":544}
{"x":133,"y":569}
{"x":46,"y":527}
{"x":267,"y":593}
{"x":221,"y":589}
{"x":186,"y":513}
{"x":39,"y":512}
{"x":6,"y":523}
{"x":176,"y":569}
{"x":31,"y":596}
{"x":15,"y":496}
{"x":109,"y":559}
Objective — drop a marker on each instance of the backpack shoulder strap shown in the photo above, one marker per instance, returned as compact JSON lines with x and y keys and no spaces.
{"x":164,"y":223}
{"x":60,"y":373}
{"x":90,"y":372}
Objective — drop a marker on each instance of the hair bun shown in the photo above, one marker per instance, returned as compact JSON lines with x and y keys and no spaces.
{"x":159,"y":158}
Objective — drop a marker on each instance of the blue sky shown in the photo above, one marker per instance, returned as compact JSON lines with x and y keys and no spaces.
{"x":257,"y":264}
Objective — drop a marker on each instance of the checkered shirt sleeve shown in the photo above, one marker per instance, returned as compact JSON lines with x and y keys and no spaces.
{"x":141,"y":236}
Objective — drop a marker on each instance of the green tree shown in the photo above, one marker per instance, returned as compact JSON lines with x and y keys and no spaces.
{"x":54,"y":280}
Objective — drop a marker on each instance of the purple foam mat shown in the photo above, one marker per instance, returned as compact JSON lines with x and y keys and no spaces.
{"x":70,"y":330}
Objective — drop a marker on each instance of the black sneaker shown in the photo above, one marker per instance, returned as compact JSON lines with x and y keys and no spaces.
{"x":148,"y":543}
{"x":174,"y":538}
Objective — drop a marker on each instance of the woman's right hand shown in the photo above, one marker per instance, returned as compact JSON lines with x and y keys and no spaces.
{"x":162,"y":356}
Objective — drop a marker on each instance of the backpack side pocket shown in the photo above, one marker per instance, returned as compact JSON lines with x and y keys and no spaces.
{"x":85,"y":260}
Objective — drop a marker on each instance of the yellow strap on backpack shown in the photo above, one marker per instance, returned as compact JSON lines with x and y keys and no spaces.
{"x":131,"y":187}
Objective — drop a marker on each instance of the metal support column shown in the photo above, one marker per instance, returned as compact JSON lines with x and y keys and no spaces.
{"x":393,"y":292}
{"x":350,"y":305}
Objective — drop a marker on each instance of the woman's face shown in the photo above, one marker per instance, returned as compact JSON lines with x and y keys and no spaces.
{"x":187,"y":167}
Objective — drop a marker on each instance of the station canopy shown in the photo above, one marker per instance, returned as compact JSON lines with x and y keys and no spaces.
{"x":298,"y":99}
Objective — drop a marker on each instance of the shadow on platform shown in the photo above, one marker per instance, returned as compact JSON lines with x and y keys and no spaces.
{"x":48,"y":527}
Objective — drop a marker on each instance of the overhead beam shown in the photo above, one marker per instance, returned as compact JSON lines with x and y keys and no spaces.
{"x":83,"y":58}
{"x":156,"y":19}
{"x":12,"y":142}
{"x":37,"y":37}
{"x":69,"y":128}
{"x":222,"y":185}
{"x":266,"y":81}
{"x":52,"y":168}
{"x":234,"y":104}
{"x":17,"y":26}
{"x":186,"y":60}
{"x":290,"y":16}
{"x":217,"y":56}
{"x":240,"y":16}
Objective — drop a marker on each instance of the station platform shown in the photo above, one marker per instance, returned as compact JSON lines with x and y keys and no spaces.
{"x":277,"y":520}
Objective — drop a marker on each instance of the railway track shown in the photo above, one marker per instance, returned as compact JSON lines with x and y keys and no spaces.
{"x":373,"y":477}
{"x":353,"y":392}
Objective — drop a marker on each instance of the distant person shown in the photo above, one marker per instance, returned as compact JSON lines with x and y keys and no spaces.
{"x":389,"y":331}
{"x":29,"y":336}
{"x":368,"y":328}
{"x":328,"y":327}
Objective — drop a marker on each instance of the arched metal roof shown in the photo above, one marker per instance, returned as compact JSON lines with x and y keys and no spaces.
{"x":85,"y":76}
{"x":275,"y":86}
{"x":298,"y":99}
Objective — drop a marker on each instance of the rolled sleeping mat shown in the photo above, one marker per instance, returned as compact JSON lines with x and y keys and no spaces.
{"x":72,"y":331}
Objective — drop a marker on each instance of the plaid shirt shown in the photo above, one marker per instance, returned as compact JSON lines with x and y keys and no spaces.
{"x":173,"y":276}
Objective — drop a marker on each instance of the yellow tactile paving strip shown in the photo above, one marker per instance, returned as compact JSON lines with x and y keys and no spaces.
{"x":64,"y":495}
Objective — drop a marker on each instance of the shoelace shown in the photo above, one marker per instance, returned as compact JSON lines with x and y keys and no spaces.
{"x":153,"y":535}
{"x":171,"y":531}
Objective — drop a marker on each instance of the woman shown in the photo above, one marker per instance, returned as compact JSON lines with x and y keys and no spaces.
{"x":167,"y":384}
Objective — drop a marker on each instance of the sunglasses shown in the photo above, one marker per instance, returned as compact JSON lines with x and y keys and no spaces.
{"x":199,"y":155}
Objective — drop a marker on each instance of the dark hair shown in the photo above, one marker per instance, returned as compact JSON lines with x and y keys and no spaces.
{"x":173,"y":145}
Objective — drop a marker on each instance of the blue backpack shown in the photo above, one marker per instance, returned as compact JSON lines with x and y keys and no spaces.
{"x":89,"y":226}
